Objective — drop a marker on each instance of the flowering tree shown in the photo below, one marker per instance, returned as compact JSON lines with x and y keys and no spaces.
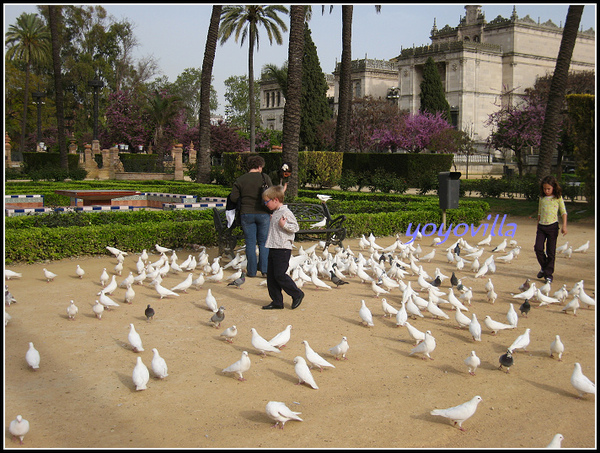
{"x":413,"y":133}
{"x":124,"y":121}
{"x":517,"y":128}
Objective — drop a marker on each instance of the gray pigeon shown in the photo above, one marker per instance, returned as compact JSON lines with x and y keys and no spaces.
{"x":8,"y":297}
{"x":218,"y":317}
{"x":149,"y":312}
{"x":238,"y":281}
{"x":336,"y":280}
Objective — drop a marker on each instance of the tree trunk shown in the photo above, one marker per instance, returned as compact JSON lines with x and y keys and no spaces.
{"x":25,"y":104}
{"x":556,"y":94}
{"x":203,"y":159}
{"x":342,"y":131}
{"x":251,"y":103}
{"x":54,"y":14}
{"x":291,"y":111}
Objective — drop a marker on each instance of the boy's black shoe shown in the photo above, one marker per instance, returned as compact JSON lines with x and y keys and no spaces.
{"x":296,"y":302}
{"x":272,"y":307}
{"x":540,"y":274}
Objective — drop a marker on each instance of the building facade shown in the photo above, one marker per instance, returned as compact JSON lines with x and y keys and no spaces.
{"x":483,"y":65}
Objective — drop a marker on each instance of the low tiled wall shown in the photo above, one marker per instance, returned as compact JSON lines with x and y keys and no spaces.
{"x":23,"y":201}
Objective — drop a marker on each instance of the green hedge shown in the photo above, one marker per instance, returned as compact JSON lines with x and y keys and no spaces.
{"x":39,"y":244}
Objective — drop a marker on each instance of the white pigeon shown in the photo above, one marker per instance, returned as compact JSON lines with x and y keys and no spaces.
{"x":110,"y":288}
{"x":118,"y":268}
{"x":129,"y":294}
{"x":134,"y":339}
{"x":562,"y":248}
{"x":303,"y":372}
{"x":486,"y":241}
{"x":211,"y":301}
{"x":573,"y":305}
{"x":229,"y":334}
{"x":500,"y":247}
{"x":428,"y":257}
{"x":324,"y":198}
{"x":104,"y":277}
{"x":72,"y":310}
{"x":140,"y":278}
{"x":475,"y":328}
{"x":512,"y":317}
{"x":545,"y":300}
{"x":184,"y":285}
{"x":161,"y":249}
{"x":315,"y":359}
{"x":388,"y":309}
{"x":32,"y":356}
{"x":107,"y":301}
{"x":261,"y":344}
{"x":115,"y":251}
{"x":461,"y":319}
{"x":583,"y":248}
{"x":545,"y":288}
{"x":340,"y":349}
{"x":412,"y":310}
{"x":98,"y":309}
{"x":281,"y":339}
{"x":139,"y":265}
{"x":129,"y":280}
{"x":239,"y":367}
{"x":492,"y":296}
{"x":162,"y":291}
{"x":425,"y":347}
{"x":198,"y":282}
{"x":455,"y":301}
{"x":496,"y":326}
{"x":472,"y":362}
{"x":7,"y":318}
{"x":459,"y":414}
{"x":401,"y":315}
{"x":50,"y":276}
{"x":556,"y":441}
{"x":79,"y":271}
{"x":365,"y":314}
{"x":159,"y":365}
{"x":216,"y":277}
{"x":561,"y":294}
{"x":8,"y":274}
{"x":317,"y":281}
{"x":436,"y":311}
{"x":280,"y":413}
{"x":557,"y":347}
{"x":414,"y":333}
{"x":18,"y":428}
{"x":528,"y":294}
{"x":140,"y":375}
{"x":521,"y":342}
{"x":378,"y":290}
{"x":585,"y":298}
{"x":568,"y":252}
{"x":581,"y":382}
{"x":8,"y":297}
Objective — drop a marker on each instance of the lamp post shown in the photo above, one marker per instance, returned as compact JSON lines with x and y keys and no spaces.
{"x":38,"y":95}
{"x":96,"y":84}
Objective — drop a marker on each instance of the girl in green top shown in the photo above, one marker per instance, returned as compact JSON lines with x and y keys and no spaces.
{"x":550,"y":206}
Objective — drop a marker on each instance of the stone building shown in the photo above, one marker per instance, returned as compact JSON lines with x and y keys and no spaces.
{"x":483,"y":65}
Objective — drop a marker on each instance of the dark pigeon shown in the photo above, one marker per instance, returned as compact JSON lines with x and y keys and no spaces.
{"x":453,"y":279}
{"x":437,"y":282}
{"x":218,"y":317}
{"x":238,"y":281}
{"x":457,"y":250}
{"x":149,"y":312}
{"x":335,"y":279}
{"x":525,"y":307}
{"x":506,"y":361}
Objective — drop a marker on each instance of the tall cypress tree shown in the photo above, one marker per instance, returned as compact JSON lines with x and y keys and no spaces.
{"x":432,"y":95}
{"x":315,"y":108}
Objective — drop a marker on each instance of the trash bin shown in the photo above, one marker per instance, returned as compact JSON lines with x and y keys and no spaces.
{"x":449,"y":189}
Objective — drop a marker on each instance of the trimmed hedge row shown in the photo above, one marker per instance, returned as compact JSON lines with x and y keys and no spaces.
{"x":40,"y":244}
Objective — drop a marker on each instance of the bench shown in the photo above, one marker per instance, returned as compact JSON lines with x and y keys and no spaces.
{"x":306,"y":214}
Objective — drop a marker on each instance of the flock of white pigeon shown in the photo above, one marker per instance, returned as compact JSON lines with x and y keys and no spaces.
{"x":384,"y":269}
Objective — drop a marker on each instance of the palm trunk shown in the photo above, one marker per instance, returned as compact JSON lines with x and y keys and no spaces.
{"x":291,"y":111}
{"x":558,"y":87}
{"x":251,"y":90}
{"x":344,"y":103}
{"x":25,"y":105}
{"x":54,"y":17}
{"x":203,"y":161}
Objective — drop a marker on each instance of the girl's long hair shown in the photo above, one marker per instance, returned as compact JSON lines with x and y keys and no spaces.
{"x":556,"y":189}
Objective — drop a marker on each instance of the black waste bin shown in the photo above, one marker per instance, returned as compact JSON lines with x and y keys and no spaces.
{"x":449,"y":189}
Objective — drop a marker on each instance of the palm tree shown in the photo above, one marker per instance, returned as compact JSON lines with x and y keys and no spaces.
{"x":203,"y":162}
{"x":161,"y":109}
{"x":54,"y":16}
{"x":28,"y":41}
{"x":292,"y":109}
{"x":244,"y":22}
{"x":558,"y":87}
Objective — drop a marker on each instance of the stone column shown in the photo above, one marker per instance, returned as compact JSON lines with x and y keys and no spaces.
{"x":192,"y":155}
{"x":72,"y":146}
{"x":96,"y":146}
{"x":177,"y":153}
{"x":7,"y":149}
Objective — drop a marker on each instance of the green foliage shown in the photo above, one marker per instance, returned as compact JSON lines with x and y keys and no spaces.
{"x":320,"y":168}
{"x":581,"y":110}
{"x":432,"y":95}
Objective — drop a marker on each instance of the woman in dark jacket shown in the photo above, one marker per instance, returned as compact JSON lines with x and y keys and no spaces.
{"x":254,"y":215}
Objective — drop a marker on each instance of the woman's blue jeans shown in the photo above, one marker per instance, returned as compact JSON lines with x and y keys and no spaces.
{"x":256,"y":230}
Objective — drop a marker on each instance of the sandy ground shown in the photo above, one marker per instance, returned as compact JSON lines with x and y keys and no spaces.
{"x":83,"y":396}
